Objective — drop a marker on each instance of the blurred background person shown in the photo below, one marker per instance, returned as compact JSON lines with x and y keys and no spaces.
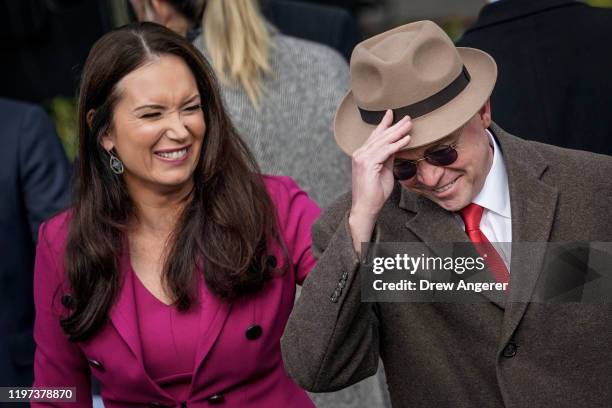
{"x":554,"y":70}
{"x":34,"y":179}
{"x":172,"y":276}
{"x":43,"y":41}
{"x":329,"y":25}
{"x":280,"y":91}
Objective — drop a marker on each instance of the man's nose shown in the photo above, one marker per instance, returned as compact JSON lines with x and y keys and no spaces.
{"x":428,"y":174}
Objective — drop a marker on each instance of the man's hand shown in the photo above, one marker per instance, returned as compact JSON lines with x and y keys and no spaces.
{"x":373,"y":175}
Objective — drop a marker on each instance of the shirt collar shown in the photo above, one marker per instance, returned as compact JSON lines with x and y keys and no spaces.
{"x":495,"y":194}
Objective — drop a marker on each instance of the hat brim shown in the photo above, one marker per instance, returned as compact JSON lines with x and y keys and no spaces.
{"x":351,"y":131}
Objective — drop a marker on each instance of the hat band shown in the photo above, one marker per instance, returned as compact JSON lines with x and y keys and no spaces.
{"x":423,"y":107}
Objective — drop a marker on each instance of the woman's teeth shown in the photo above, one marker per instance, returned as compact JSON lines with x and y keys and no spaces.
{"x":175,"y":155}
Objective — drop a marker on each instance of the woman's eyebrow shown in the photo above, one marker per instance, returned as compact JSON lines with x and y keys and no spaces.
{"x":156,"y":106}
{"x":151,"y":106}
{"x":192,"y":99}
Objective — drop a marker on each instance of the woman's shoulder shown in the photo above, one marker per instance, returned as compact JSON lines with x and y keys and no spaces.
{"x":288,"y":197}
{"x":280,"y":187}
{"x":54,"y":231}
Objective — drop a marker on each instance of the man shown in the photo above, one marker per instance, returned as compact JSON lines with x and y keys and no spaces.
{"x":460,"y":178}
{"x":554,"y":70}
{"x":34,"y":179}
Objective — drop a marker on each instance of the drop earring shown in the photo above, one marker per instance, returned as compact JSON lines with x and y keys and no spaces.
{"x":116,"y":165}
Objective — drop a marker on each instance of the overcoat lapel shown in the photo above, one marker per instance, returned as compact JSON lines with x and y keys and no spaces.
{"x":533,"y":206}
{"x":434,"y":225}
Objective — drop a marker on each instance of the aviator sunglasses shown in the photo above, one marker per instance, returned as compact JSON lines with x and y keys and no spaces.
{"x":441,"y":155}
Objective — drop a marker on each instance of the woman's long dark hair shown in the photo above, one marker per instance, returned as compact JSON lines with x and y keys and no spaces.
{"x":226,"y":225}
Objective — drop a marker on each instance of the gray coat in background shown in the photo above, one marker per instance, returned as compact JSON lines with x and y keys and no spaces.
{"x":490,"y":354}
{"x":292,"y":134}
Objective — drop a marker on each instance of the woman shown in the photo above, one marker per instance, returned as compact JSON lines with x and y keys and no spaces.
{"x":173,"y":275}
{"x":280,"y":91}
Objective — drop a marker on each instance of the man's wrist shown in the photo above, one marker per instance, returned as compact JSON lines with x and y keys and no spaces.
{"x":361,"y":227}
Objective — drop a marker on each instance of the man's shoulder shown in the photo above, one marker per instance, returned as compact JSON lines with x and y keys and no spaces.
{"x":334,"y":214}
{"x":563,"y":168}
{"x":579,"y":163}
{"x":15,"y":114}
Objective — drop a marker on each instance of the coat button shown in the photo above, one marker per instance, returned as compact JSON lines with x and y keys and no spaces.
{"x":96,"y":364}
{"x":510,"y":350}
{"x":271,"y":261}
{"x":216,"y":399}
{"x":68,"y":301}
{"x":253,"y":332}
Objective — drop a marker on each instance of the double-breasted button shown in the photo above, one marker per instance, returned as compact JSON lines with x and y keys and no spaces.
{"x":68,"y":301}
{"x":510,"y":350}
{"x":216,"y":399}
{"x":96,"y":364}
{"x":253,"y":332}
{"x":271,"y":261}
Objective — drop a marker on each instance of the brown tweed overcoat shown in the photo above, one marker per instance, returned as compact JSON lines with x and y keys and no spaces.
{"x":497,"y":353}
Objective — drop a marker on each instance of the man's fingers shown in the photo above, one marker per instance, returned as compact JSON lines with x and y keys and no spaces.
{"x":390,"y":149}
{"x":378,"y":149}
{"x":393,"y":134}
{"x":374,"y":156}
{"x":386,"y":121}
{"x":382,"y":127}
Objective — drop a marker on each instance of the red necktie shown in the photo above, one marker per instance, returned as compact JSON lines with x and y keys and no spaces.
{"x":471,"y":216}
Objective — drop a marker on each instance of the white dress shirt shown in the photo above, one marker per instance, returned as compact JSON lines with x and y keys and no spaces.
{"x":496,"y":222}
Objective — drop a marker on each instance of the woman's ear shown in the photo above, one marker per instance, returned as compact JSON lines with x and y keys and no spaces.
{"x":107,"y":142}
{"x":90,"y":117}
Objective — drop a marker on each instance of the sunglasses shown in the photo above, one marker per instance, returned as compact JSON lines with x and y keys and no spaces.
{"x":441,"y":155}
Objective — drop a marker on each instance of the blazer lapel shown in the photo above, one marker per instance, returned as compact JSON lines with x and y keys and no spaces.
{"x":212,"y":320}
{"x":533,"y":206}
{"x":124,"y":318}
{"x":123,"y":315}
{"x":434,"y":225}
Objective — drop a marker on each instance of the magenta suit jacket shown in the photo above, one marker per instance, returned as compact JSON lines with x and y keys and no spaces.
{"x":231,"y":370}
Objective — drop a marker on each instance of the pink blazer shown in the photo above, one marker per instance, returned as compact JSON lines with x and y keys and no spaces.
{"x":231,"y":370}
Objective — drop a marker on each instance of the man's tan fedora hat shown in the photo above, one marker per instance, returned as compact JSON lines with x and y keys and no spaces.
{"x":416,"y":70}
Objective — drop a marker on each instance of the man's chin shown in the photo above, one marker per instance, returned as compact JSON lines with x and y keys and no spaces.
{"x":452,"y":204}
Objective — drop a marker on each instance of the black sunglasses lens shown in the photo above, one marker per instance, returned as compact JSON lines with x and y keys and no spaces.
{"x":442,"y":157}
{"x":404,"y":170}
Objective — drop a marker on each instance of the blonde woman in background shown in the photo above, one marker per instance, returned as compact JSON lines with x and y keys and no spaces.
{"x":281,"y":92}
